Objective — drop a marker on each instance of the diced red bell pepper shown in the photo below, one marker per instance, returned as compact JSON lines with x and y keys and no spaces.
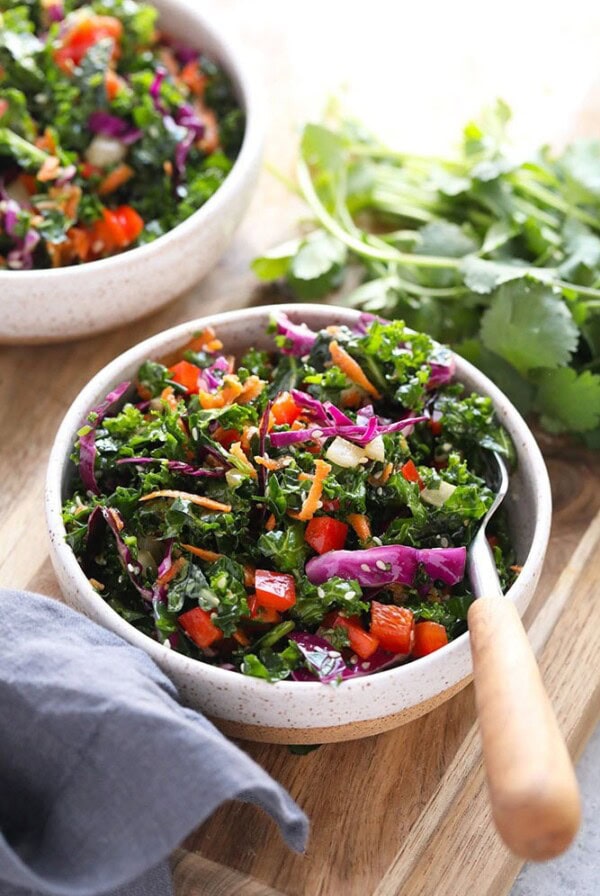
{"x":436,"y":427}
{"x":275,"y":589}
{"x":285,"y":409}
{"x":197,"y":623}
{"x":362,"y":642}
{"x":429,"y":636}
{"x":262,"y":614}
{"x":87,"y":31}
{"x":393,"y":626}
{"x":411,"y":474}
{"x":324,"y":533}
{"x":186,"y":375}
{"x":130,"y":221}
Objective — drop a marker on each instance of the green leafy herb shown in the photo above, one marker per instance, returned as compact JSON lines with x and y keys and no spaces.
{"x":500,"y":258}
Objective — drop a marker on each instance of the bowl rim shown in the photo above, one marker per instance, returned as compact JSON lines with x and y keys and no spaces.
{"x":251,"y":99}
{"x":112,"y":373}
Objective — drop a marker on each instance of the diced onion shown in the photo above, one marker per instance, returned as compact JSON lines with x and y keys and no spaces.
{"x":375,"y":449}
{"x":344,"y":453}
{"x":105,"y":151}
{"x":438,"y":496}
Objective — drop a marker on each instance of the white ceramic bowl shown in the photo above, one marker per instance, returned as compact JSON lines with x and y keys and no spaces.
{"x":295,"y":712}
{"x":67,"y":303}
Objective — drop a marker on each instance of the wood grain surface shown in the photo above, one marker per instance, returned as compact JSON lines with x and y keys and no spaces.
{"x":405,"y":812}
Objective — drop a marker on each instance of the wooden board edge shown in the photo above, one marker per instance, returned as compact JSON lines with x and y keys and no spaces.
{"x":195,"y":875}
{"x":468,"y":758}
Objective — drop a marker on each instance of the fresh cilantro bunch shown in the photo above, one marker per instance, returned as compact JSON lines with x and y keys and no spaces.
{"x":497,"y":256}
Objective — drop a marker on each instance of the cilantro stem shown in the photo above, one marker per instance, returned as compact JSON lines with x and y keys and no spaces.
{"x":362,"y":248}
{"x":383,"y":152}
{"x":548,"y":197}
{"x":580,"y":290}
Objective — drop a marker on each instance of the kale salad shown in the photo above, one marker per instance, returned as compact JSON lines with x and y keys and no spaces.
{"x":301,"y":513}
{"x":111,"y":132}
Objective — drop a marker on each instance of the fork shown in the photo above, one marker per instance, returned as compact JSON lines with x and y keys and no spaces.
{"x":532,"y":786}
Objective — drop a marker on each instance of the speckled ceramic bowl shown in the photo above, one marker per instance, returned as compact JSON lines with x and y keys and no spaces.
{"x":294,"y":712}
{"x":67,"y":303}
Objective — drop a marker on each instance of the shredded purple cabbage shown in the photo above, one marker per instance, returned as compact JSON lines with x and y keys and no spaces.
{"x":133,"y":569}
{"x":110,"y":126}
{"x":21,"y":257}
{"x":211,"y":377}
{"x":184,"y":116}
{"x":87,"y":442}
{"x":55,"y":11}
{"x":388,"y":564}
{"x":300,"y":338}
{"x":323,"y":660}
{"x":357,"y":433}
{"x":10,"y":210}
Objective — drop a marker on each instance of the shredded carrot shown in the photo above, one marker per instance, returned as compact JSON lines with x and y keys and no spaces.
{"x":351,"y":397}
{"x":251,"y":390}
{"x":49,"y":170}
{"x":303,"y":477}
{"x":168,"y":167}
{"x":266,"y":462}
{"x":294,"y":515}
{"x":516,"y":568}
{"x":386,"y":473}
{"x":116,"y":518}
{"x":46,"y":142}
{"x":209,"y":556}
{"x":210,"y":140}
{"x":28,"y":181}
{"x":112,"y":83}
{"x":96,"y":584}
{"x":351,"y":368}
{"x":80,"y":240}
{"x":269,"y":464}
{"x":238,"y":453}
{"x":270,"y":524}
{"x":193,"y":78}
{"x":241,"y":637}
{"x":231,"y":390}
{"x":360,"y":524}
{"x":119,"y":176}
{"x":173,"y":570}
{"x":312,"y":500}
{"x":212,"y":556}
{"x":200,"y":500}
{"x":204,"y":341}
{"x":168,"y":395}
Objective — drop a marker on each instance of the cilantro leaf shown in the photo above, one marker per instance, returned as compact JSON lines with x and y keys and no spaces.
{"x":529,"y":326}
{"x":567,"y":400}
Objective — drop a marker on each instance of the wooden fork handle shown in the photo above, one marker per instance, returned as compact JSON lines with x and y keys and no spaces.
{"x":533,"y":790}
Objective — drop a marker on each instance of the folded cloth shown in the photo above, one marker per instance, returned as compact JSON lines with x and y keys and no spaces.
{"x":102,"y":771}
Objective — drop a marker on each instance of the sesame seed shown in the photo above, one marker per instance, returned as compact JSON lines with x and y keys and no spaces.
{"x":364,"y":460}
{"x":444,"y":542}
{"x":344,"y":586}
{"x":380,"y":490}
{"x":321,"y":593}
{"x":317,"y":433}
{"x":377,"y":540}
{"x":365,"y":567}
{"x":348,"y":596}
{"x":365,"y":666}
{"x":167,"y":643}
{"x":381,"y":565}
{"x":354,"y":659}
{"x":195,"y":433}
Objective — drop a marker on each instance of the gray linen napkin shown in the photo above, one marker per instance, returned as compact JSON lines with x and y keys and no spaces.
{"x":102,"y":772}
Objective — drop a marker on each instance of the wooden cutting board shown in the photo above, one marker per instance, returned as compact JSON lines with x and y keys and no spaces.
{"x":404,"y":812}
